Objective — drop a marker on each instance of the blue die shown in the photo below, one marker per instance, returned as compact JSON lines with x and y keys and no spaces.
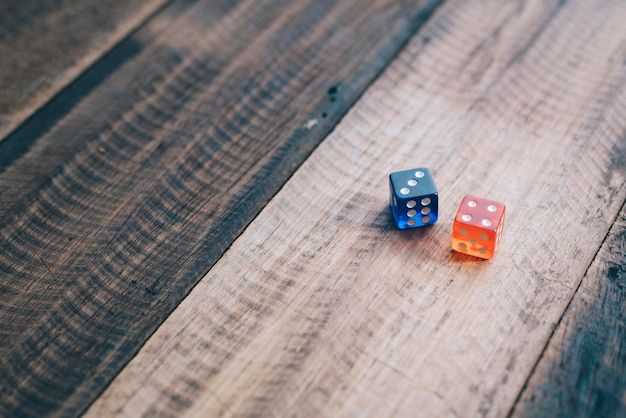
{"x":414,"y":200}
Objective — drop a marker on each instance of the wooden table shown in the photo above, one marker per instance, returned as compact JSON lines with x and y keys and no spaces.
{"x":194,"y":214}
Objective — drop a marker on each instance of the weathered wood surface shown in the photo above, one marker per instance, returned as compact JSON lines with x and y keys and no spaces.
{"x":323,"y":308}
{"x":44,"y":44}
{"x":582,"y":373}
{"x":136,"y":178}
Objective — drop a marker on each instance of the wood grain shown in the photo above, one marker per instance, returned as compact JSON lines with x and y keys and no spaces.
{"x":582,"y":371}
{"x":45,"y":44}
{"x":143,"y":172}
{"x":323,"y":308}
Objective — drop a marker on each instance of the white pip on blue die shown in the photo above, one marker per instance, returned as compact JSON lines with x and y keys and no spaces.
{"x":414,"y":200}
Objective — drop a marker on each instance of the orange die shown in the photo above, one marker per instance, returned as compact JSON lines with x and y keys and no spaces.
{"x":478,"y":226}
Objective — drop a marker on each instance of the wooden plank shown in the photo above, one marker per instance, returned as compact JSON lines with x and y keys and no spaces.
{"x":323,"y":308}
{"x":159,"y":157}
{"x":582,"y":371}
{"x":45,"y":44}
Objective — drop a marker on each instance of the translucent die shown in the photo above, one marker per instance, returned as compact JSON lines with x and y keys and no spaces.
{"x":413,"y":198}
{"x":478,"y":226}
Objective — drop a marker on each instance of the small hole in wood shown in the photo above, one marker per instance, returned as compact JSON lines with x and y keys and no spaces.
{"x":334,"y":90}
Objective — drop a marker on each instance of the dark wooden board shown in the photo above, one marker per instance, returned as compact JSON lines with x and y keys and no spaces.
{"x":583,"y":370}
{"x":119,"y":194}
{"x":45,"y":44}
